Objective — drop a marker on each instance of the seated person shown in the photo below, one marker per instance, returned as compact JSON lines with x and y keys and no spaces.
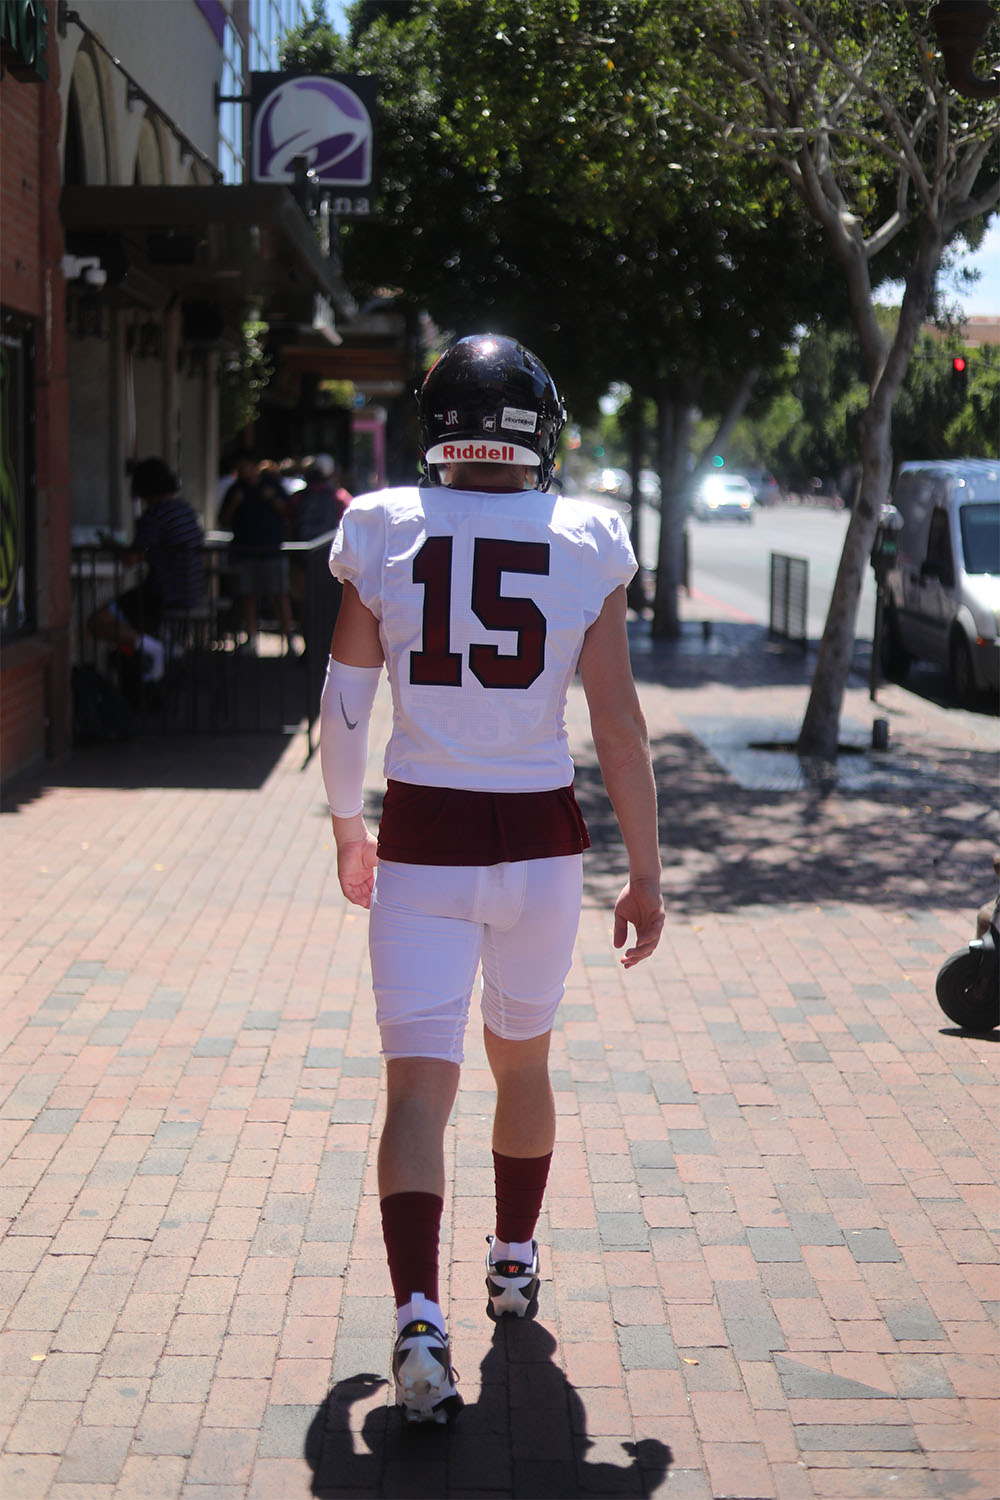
{"x":169,"y":537}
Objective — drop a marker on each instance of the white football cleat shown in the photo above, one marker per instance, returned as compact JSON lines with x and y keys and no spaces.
{"x":421,"y":1369}
{"x":512,"y":1284}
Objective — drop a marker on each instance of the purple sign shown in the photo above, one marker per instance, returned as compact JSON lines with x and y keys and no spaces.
{"x":327,"y":121}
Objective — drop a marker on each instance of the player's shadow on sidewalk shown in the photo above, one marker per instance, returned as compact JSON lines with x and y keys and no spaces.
{"x":525,"y":1437}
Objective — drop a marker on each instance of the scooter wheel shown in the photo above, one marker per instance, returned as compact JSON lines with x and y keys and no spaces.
{"x":968,"y":989}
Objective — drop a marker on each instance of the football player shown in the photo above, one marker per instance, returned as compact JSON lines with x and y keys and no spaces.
{"x":481,"y":595}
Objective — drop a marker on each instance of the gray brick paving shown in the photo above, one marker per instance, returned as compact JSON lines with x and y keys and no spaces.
{"x":770,"y":1238}
{"x":870,"y":1246}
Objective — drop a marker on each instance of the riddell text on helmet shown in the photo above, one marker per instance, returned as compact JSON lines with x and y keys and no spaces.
{"x":501,"y":455}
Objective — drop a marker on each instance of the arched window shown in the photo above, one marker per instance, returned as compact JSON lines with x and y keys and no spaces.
{"x":85,"y":158}
{"x":74,"y":156}
{"x":148,"y":169}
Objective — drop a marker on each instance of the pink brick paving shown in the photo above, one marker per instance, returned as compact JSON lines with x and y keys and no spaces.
{"x":770,"y":1267}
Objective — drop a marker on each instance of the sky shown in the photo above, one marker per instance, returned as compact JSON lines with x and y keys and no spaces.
{"x":982,"y":301}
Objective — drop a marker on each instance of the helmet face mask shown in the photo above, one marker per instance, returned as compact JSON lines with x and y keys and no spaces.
{"x":488,"y":399}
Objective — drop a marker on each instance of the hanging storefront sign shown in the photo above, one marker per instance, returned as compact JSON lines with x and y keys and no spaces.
{"x":324,"y":123}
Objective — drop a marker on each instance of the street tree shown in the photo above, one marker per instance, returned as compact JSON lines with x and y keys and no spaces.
{"x":851,"y":105}
{"x":975,"y":429}
{"x":809,"y":424}
{"x":523,"y":149}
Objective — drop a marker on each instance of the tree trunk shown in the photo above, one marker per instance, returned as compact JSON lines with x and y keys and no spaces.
{"x":673,"y":428}
{"x":636,"y":589}
{"x":820,"y":728}
{"x":675,"y":421}
{"x":737,"y":406}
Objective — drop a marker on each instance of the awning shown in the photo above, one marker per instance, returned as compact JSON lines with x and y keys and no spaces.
{"x":219,"y":244}
{"x":374,"y":371}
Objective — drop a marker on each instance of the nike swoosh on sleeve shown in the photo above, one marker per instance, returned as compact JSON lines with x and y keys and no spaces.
{"x":343,"y":710}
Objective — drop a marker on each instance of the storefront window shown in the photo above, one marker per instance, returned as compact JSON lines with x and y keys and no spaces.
{"x":231,"y":159}
{"x":269,"y":20}
{"x":17,"y":477}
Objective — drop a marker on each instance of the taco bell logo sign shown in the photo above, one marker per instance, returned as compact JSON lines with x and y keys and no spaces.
{"x":327,"y":119}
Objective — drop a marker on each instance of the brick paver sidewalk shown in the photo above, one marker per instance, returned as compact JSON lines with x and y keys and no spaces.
{"x":770,"y":1260}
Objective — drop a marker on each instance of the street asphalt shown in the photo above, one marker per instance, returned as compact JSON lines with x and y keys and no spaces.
{"x":770,"y":1262}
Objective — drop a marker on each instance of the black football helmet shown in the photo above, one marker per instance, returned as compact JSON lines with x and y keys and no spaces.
{"x":488,"y":399}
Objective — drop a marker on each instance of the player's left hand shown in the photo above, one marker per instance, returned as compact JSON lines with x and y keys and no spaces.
{"x":356,"y":862}
{"x":640,"y":904}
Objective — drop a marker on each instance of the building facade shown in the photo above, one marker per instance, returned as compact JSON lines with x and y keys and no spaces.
{"x":34,"y":459}
{"x":133,"y":252}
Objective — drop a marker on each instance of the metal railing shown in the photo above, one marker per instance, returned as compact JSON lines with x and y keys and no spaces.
{"x":212,"y":681}
{"x":789,"y":597}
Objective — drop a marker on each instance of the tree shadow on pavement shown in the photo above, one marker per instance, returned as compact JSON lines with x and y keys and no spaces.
{"x":927,"y":841}
{"x":741,"y":656}
{"x":736,"y":654}
{"x":525,"y":1437}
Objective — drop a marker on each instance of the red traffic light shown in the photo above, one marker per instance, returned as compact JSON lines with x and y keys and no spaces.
{"x":958,"y":364}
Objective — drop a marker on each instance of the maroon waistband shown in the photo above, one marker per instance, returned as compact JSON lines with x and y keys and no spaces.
{"x":435,"y":825}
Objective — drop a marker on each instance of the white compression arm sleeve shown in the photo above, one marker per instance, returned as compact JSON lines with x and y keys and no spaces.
{"x":344,"y":711}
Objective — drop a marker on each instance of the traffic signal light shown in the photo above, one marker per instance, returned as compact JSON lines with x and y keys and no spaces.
{"x":959,"y":367}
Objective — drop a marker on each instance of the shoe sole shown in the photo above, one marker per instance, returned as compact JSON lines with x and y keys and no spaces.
{"x":439,"y":1416}
{"x":416,"y":1408}
{"x":512,"y":1301}
{"x":527,"y":1311}
{"x":426,"y":1392}
{"x":511,"y":1298}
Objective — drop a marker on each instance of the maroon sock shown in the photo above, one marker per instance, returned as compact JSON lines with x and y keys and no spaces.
{"x":411,"y":1228}
{"x":520,"y":1185}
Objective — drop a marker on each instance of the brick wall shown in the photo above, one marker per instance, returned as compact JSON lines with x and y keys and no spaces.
{"x":35,"y":716}
{"x":23,"y":705}
{"x":20,"y":122}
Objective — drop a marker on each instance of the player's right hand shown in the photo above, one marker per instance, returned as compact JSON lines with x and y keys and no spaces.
{"x":356,"y":864}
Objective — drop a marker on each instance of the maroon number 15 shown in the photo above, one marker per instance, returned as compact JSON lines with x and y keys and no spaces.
{"x":435,"y":664}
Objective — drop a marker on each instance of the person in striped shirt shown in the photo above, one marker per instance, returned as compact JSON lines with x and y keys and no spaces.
{"x":169,"y":537}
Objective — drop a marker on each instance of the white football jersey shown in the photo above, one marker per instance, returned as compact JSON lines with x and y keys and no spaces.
{"x":482,"y":602}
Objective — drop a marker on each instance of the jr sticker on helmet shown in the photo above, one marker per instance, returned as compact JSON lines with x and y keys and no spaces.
{"x":519,"y":420}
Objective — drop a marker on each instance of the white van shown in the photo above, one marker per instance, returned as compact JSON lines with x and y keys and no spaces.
{"x":943,"y":591}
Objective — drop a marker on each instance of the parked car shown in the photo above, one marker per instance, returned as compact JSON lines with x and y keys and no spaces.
{"x":943,"y":589}
{"x":724,"y":497}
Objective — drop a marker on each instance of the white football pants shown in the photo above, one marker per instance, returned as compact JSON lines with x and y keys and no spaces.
{"x":432,"y":925}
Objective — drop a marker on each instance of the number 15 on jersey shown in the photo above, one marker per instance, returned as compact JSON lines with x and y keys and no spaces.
{"x":435,"y":664}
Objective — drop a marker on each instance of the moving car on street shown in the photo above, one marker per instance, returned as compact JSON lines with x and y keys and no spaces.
{"x":724,"y":497}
